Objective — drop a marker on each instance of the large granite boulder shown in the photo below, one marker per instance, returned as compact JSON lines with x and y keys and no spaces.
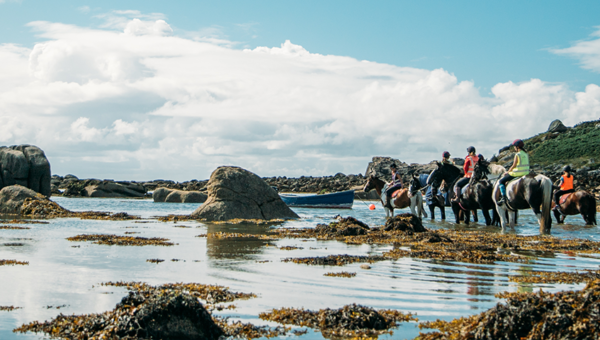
{"x":557,"y":126}
{"x":237,"y":193}
{"x":178,"y":196}
{"x":12,"y":198}
{"x":25,"y":165}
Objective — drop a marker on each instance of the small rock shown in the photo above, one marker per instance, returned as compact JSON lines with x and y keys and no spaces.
{"x":365,"y":266}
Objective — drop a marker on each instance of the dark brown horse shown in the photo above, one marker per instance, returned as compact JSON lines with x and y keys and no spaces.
{"x":579,"y":202}
{"x":401,"y":201}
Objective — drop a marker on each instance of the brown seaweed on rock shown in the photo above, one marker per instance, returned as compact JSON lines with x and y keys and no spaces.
{"x":353,"y":320}
{"x":347,"y":226}
{"x":148,"y":314}
{"x":404,"y":222}
{"x":40,"y":207}
{"x":528,"y":316}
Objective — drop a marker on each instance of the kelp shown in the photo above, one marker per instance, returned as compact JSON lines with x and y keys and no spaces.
{"x":115,"y":240}
{"x":353,"y":321}
{"x":528,"y":316}
{"x":13,"y":263}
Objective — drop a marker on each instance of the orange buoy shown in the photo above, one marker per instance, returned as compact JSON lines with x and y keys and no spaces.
{"x":372,"y":207}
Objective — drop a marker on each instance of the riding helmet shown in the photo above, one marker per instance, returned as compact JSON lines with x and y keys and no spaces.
{"x":471,"y":149}
{"x":567,"y":168}
{"x":393,"y":166}
{"x":518,"y":143}
{"x":480,"y":156}
{"x":446,"y":154}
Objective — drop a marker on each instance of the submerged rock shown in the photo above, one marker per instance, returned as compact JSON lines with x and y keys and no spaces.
{"x":235,"y":193}
{"x":178,"y":196}
{"x":404,"y":222}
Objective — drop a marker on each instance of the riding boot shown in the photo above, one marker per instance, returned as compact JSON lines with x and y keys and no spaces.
{"x":502,"y":194}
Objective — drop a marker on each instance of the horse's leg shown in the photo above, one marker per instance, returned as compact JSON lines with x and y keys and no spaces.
{"x":475,"y":217}
{"x":456,"y":209}
{"x":486,"y":215}
{"x":467,"y":216}
{"x":413,"y":206}
{"x":502,"y":215}
{"x":556,"y":215}
{"x":420,"y":202}
{"x":512,"y":217}
{"x":387,"y":212}
{"x":443,"y":209}
{"x":432,"y":211}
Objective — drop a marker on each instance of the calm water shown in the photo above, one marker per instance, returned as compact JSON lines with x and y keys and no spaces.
{"x":59,"y":274}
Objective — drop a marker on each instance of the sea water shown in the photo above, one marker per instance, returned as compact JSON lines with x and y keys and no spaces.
{"x":64,"y":277}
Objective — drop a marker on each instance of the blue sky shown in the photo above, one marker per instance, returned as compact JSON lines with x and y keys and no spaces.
{"x":149,"y":89}
{"x":487,"y":42}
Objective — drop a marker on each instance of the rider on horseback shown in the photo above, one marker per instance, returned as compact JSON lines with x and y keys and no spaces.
{"x":468,"y":167}
{"x":566,"y":184}
{"x":395,"y":184}
{"x":446,"y":158}
{"x":519,"y":168}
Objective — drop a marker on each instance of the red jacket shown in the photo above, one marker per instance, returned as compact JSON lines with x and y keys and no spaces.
{"x":469,"y":166}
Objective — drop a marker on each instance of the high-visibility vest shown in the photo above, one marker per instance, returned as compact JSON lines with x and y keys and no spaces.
{"x":567,"y":183}
{"x":474,"y":160}
{"x":522,"y":167}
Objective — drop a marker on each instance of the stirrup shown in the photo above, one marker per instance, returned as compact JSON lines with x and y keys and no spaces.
{"x":502,"y":201}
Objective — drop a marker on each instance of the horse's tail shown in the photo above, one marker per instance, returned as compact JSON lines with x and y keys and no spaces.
{"x":546,"y":220}
{"x":587,"y":207}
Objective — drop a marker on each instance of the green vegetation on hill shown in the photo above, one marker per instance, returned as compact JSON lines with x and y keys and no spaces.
{"x":579,"y":146}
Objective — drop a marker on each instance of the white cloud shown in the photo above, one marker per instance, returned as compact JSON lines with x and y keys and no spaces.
{"x":155,"y":105}
{"x":587,"y":51}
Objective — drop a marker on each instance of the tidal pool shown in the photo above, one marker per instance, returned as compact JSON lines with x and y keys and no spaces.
{"x":64,"y":277}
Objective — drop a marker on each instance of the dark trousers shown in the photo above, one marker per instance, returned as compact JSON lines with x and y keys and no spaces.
{"x":394,"y":187}
{"x":505,"y":179}
{"x":459,"y":185}
{"x":559,"y":193}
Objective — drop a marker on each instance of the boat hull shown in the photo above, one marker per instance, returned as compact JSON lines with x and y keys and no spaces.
{"x":336,"y":200}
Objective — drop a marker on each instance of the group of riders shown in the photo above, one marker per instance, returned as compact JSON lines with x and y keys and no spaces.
{"x":519,"y":168}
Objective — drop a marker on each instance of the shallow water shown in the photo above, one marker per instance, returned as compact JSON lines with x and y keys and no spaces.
{"x":67,"y":274}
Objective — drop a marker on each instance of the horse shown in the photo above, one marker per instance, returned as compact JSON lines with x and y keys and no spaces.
{"x":531,"y":191}
{"x":477,"y":195}
{"x":449,"y":173}
{"x":401,"y":201}
{"x":579,"y":202}
{"x":419,"y":182}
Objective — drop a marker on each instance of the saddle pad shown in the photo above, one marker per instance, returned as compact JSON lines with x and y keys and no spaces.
{"x":396,"y":193}
{"x":563,"y":198}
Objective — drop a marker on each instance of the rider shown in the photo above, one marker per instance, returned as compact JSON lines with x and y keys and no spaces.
{"x":468,"y":167}
{"x":566,"y":184}
{"x":396,"y":182}
{"x":519,"y":168}
{"x":446,"y":158}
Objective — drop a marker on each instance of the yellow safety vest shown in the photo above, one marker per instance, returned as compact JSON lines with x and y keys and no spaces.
{"x":522,"y":167}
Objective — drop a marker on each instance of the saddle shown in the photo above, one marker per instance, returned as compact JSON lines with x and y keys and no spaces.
{"x":563,"y":198}
{"x":396,"y":193}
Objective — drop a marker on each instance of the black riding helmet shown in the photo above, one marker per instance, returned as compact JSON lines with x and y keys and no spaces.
{"x":393,"y":166}
{"x":446,"y":154}
{"x":567,"y":168}
{"x":471,"y":149}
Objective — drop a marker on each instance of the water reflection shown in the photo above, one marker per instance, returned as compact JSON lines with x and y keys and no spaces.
{"x":59,"y":274}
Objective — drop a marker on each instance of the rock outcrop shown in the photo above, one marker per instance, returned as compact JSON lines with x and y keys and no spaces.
{"x":25,"y":165}
{"x":235,"y":193}
{"x":115,"y":189}
{"x":178,"y":196}
{"x":557,"y":126}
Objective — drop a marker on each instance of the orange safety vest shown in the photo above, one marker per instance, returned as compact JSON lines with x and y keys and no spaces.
{"x":567,"y":183}
{"x":474,"y":160}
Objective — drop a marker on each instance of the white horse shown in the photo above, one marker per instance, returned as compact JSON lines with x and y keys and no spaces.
{"x":524,"y":193}
{"x":402,"y":200}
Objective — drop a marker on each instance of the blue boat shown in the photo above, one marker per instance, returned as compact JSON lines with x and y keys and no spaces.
{"x":336,"y":200}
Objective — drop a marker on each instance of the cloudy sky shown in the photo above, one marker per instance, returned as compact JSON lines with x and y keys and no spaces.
{"x":149,"y":89}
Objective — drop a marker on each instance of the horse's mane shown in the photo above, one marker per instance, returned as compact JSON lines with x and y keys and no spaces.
{"x":446,"y":170}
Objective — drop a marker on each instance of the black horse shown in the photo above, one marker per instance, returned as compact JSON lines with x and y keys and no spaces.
{"x":478,"y":195}
{"x":450,"y":174}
